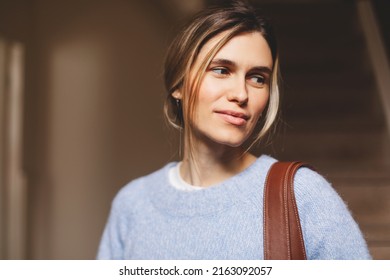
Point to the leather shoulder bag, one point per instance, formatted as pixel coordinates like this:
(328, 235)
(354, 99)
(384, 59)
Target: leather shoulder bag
(283, 238)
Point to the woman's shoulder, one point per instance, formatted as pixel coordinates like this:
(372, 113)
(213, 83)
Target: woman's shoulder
(306, 178)
(329, 230)
(138, 188)
(313, 192)
(311, 187)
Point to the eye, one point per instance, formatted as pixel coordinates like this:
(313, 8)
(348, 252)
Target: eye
(220, 71)
(257, 80)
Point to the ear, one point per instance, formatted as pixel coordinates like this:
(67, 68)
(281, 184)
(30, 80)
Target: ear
(176, 94)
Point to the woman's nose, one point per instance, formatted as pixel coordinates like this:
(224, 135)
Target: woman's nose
(239, 93)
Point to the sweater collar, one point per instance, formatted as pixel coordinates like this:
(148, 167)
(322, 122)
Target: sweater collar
(240, 188)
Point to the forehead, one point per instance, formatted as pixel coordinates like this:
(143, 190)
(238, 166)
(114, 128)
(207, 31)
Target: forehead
(247, 49)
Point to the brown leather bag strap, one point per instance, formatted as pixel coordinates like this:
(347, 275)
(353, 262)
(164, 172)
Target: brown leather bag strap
(283, 238)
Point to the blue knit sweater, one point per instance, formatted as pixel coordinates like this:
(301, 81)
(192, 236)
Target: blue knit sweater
(150, 219)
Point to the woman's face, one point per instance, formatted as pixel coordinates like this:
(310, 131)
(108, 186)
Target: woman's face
(234, 90)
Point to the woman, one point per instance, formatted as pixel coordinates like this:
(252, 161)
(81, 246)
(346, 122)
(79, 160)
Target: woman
(221, 74)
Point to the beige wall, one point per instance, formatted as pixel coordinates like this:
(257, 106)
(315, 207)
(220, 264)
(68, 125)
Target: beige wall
(101, 83)
(93, 107)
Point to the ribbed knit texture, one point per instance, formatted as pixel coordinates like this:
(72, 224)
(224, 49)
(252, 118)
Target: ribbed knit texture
(150, 219)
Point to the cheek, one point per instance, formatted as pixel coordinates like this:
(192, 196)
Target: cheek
(208, 91)
(260, 103)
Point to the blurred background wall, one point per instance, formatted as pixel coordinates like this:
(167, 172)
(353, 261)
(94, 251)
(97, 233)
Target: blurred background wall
(90, 92)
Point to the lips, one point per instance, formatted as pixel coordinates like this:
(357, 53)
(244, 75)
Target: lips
(233, 117)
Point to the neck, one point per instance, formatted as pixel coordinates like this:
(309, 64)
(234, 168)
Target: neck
(210, 165)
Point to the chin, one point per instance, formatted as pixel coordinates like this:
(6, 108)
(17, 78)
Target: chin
(231, 138)
(233, 142)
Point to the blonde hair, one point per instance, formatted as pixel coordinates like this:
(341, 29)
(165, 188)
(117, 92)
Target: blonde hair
(233, 19)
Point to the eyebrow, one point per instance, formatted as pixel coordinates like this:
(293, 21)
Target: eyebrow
(227, 62)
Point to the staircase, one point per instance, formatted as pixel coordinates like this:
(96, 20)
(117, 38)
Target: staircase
(332, 112)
